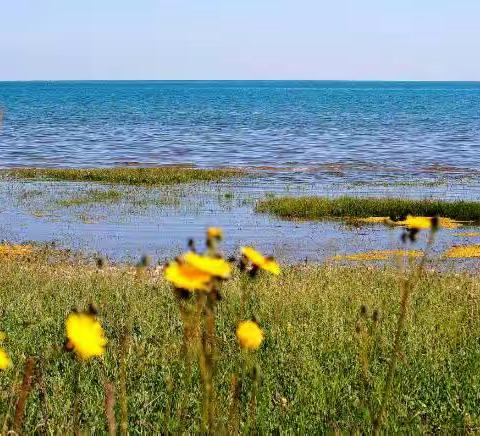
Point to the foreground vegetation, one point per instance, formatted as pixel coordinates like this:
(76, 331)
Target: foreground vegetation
(127, 175)
(322, 367)
(313, 208)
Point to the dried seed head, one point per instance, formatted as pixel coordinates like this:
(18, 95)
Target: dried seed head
(101, 262)
(92, 309)
(182, 294)
(375, 316)
(363, 310)
(145, 261)
(253, 271)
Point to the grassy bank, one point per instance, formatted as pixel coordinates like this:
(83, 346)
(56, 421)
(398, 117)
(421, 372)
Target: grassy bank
(314, 208)
(311, 375)
(127, 175)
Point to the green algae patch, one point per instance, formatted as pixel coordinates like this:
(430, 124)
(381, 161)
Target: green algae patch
(92, 196)
(127, 175)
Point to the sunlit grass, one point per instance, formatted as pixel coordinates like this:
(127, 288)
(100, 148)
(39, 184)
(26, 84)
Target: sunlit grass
(310, 380)
(127, 175)
(313, 208)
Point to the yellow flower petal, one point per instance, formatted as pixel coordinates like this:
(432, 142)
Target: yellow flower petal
(85, 335)
(249, 335)
(184, 276)
(416, 222)
(215, 267)
(258, 259)
(271, 266)
(5, 361)
(215, 232)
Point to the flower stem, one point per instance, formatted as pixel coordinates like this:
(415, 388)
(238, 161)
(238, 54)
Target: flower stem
(25, 389)
(407, 287)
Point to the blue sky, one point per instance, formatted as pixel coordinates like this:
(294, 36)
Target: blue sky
(240, 39)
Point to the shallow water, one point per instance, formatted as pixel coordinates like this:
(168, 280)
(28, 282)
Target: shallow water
(158, 221)
(330, 138)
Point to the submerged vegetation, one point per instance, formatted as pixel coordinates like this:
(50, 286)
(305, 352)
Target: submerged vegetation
(313, 208)
(215, 345)
(92, 196)
(149, 176)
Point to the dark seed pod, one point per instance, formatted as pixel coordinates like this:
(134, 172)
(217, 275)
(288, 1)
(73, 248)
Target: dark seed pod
(67, 345)
(375, 316)
(363, 310)
(182, 294)
(253, 272)
(144, 262)
(92, 310)
(101, 262)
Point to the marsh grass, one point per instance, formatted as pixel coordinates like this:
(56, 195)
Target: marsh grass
(315, 208)
(311, 378)
(149, 176)
(92, 196)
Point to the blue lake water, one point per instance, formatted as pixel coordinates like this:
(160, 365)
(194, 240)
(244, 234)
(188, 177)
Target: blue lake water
(419, 140)
(289, 124)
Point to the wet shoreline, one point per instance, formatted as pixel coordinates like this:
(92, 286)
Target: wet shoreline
(158, 220)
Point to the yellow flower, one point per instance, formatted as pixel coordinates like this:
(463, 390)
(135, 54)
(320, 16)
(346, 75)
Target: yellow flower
(184, 276)
(85, 335)
(215, 267)
(5, 361)
(215, 233)
(416, 222)
(259, 260)
(249, 335)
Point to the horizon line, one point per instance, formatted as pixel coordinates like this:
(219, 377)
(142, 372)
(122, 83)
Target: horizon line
(243, 80)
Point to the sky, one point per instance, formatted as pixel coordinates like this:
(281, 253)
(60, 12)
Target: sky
(239, 39)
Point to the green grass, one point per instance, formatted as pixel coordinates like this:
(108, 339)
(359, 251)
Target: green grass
(314, 208)
(92, 196)
(311, 379)
(127, 175)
